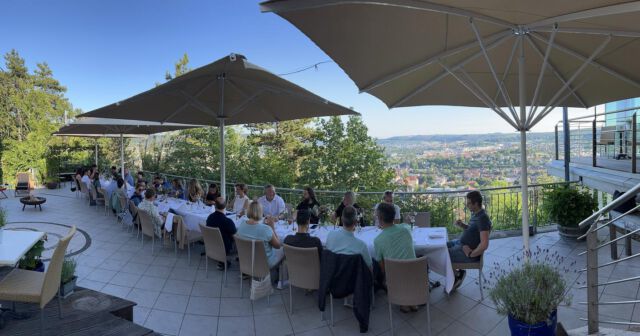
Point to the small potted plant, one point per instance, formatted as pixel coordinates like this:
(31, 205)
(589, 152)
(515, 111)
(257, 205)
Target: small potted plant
(567, 207)
(51, 182)
(68, 277)
(31, 260)
(530, 293)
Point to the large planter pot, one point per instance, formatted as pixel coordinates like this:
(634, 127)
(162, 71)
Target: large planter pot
(52, 185)
(571, 232)
(546, 328)
(66, 289)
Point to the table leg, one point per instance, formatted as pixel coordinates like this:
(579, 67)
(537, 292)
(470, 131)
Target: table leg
(23, 206)
(40, 205)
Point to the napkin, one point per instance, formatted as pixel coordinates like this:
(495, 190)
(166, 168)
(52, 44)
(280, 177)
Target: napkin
(168, 223)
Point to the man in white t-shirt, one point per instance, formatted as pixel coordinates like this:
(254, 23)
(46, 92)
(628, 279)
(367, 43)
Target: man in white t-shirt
(272, 204)
(388, 198)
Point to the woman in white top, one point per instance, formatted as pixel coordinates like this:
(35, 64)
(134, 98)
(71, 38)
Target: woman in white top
(241, 201)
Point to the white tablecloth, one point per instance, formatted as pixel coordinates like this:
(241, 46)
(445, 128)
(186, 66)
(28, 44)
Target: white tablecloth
(431, 242)
(110, 185)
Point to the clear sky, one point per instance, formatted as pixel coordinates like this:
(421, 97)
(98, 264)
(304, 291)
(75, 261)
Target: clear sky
(104, 51)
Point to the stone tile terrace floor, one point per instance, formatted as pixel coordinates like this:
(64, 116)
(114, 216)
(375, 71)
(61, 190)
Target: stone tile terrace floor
(176, 298)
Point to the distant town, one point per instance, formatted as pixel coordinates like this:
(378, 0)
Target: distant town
(446, 162)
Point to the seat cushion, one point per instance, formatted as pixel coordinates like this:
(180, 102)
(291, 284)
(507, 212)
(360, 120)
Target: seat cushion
(22, 286)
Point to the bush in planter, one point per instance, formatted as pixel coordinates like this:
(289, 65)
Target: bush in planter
(68, 277)
(568, 206)
(52, 182)
(529, 291)
(31, 260)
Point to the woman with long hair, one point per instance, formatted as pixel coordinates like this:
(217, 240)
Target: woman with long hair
(195, 192)
(309, 202)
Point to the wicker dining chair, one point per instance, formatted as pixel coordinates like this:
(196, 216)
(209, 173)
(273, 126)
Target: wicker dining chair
(303, 265)
(407, 285)
(260, 266)
(37, 287)
(214, 248)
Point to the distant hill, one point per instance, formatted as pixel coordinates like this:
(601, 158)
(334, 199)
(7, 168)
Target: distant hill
(489, 137)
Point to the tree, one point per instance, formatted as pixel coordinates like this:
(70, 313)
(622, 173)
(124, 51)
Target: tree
(32, 106)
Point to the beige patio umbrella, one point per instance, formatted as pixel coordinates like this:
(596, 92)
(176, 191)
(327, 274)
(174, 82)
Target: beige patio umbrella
(229, 91)
(116, 128)
(519, 58)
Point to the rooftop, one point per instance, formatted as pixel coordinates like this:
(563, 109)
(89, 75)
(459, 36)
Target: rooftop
(175, 297)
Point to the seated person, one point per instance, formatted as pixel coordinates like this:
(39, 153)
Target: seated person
(194, 192)
(475, 238)
(310, 203)
(343, 241)
(137, 196)
(272, 204)
(117, 194)
(349, 199)
(178, 190)
(219, 220)
(253, 228)
(127, 177)
(241, 200)
(388, 198)
(141, 178)
(148, 206)
(302, 237)
(114, 172)
(86, 179)
(212, 194)
(394, 242)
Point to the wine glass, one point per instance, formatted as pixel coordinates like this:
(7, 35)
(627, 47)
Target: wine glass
(412, 218)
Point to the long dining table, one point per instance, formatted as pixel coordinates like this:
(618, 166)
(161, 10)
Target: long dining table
(430, 242)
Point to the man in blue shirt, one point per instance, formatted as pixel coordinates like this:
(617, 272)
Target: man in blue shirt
(342, 241)
(475, 237)
(137, 196)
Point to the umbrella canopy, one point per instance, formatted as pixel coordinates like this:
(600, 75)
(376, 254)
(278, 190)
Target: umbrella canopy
(229, 91)
(116, 128)
(501, 54)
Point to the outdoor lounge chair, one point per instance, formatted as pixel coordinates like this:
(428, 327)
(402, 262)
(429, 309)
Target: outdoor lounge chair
(37, 287)
(24, 184)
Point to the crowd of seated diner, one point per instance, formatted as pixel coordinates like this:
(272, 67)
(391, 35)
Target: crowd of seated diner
(256, 220)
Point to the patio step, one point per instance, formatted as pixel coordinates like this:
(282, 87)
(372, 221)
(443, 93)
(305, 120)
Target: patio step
(603, 332)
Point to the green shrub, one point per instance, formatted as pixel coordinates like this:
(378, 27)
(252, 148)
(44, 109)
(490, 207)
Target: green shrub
(568, 206)
(68, 270)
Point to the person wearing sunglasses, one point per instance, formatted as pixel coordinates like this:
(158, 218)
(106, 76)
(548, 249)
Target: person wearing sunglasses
(138, 194)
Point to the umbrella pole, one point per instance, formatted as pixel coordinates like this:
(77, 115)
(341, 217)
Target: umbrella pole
(523, 150)
(122, 160)
(96, 153)
(223, 189)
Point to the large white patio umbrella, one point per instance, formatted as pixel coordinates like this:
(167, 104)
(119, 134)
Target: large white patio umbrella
(506, 55)
(229, 91)
(117, 128)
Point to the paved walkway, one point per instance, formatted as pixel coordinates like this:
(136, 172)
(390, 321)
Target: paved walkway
(178, 298)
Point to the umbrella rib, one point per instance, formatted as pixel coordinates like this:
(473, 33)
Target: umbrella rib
(503, 91)
(596, 64)
(590, 31)
(556, 72)
(198, 104)
(583, 66)
(543, 68)
(506, 70)
(444, 73)
(434, 59)
(187, 104)
(550, 108)
(478, 95)
(244, 104)
(291, 6)
(493, 105)
(589, 13)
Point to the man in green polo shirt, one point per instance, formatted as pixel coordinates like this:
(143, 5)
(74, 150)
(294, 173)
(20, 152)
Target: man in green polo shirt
(394, 242)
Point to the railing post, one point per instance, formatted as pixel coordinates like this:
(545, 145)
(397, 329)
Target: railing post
(633, 144)
(557, 145)
(592, 280)
(593, 142)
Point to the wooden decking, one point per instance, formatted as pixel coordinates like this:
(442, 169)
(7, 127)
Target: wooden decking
(623, 165)
(85, 312)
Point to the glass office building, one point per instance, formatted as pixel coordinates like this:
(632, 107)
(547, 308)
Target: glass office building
(617, 119)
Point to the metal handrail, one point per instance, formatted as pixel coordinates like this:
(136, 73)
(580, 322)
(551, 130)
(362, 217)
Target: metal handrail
(631, 193)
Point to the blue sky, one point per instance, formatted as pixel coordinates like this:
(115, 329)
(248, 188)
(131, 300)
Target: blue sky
(104, 51)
